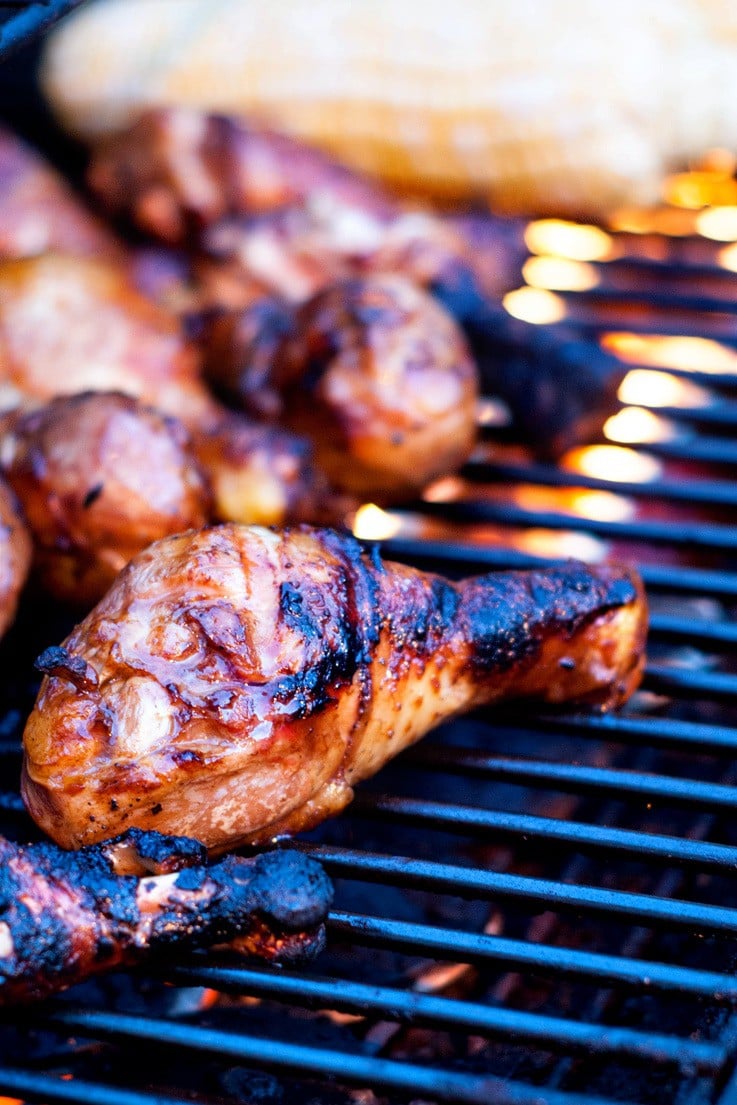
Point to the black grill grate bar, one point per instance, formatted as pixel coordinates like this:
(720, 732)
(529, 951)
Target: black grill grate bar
(684, 683)
(471, 821)
(705, 796)
(76, 1091)
(548, 894)
(687, 446)
(596, 324)
(683, 736)
(719, 413)
(316, 1061)
(682, 631)
(542, 959)
(454, 556)
(697, 535)
(704, 492)
(396, 1005)
(671, 300)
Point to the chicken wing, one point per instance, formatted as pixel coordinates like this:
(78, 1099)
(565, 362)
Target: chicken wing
(236, 683)
(100, 476)
(65, 916)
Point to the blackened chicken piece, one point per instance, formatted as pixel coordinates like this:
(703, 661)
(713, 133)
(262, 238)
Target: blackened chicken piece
(40, 213)
(379, 378)
(177, 170)
(15, 555)
(65, 916)
(100, 476)
(236, 683)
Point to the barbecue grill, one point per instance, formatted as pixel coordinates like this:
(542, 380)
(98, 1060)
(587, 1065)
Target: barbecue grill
(535, 910)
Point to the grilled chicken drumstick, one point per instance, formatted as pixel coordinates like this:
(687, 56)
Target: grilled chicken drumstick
(65, 916)
(70, 325)
(100, 476)
(236, 683)
(373, 371)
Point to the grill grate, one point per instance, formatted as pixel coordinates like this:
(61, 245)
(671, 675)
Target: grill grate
(534, 910)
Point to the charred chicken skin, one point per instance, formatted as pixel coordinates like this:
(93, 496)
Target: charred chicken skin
(236, 683)
(374, 372)
(100, 476)
(65, 916)
(15, 555)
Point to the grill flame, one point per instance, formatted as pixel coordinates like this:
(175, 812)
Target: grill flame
(534, 305)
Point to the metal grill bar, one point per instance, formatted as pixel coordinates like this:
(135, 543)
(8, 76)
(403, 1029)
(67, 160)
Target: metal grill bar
(465, 882)
(619, 782)
(393, 1004)
(540, 959)
(698, 535)
(45, 1088)
(315, 1061)
(686, 736)
(706, 492)
(581, 836)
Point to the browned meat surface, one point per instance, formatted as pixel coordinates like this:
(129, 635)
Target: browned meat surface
(40, 213)
(69, 324)
(100, 476)
(264, 475)
(374, 373)
(179, 169)
(236, 683)
(15, 555)
(65, 916)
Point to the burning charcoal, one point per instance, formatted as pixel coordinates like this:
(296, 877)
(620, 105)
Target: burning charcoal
(67, 915)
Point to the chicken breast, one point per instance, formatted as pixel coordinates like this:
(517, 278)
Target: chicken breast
(236, 683)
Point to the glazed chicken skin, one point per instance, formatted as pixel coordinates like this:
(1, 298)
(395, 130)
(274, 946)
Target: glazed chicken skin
(374, 373)
(66, 916)
(237, 682)
(15, 555)
(100, 476)
(40, 213)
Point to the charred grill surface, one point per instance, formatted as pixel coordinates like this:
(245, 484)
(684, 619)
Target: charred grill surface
(65, 916)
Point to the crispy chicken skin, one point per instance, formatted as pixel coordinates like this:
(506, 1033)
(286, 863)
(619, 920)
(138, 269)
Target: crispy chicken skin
(40, 213)
(236, 683)
(100, 476)
(65, 916)
(15, 555)
(177, 170)
(379, 378)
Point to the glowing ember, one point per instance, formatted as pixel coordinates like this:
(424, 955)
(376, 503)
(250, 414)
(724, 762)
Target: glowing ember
(545, 542)
(673, 222)
(11, 1101)
(493, 412)
(559, 274)
(448, 488)
(701, 188)
(718, 223)
(534, 305)
(371, 523)
(636, 425)
(690, 354)
(575, 241)
(642, 387)
(613, 462)
(727, 257)
(602, 506)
